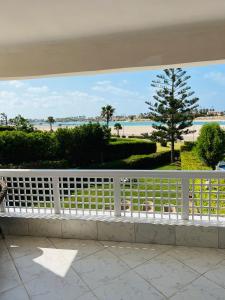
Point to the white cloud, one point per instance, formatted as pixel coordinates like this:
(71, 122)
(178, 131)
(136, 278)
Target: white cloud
(218, 77)
(16, 83)
(107, 86)
(40, 101)
(37, 89)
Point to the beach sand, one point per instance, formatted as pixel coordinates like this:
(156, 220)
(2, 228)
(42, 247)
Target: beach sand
(138, 130)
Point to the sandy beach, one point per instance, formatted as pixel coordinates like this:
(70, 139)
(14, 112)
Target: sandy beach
(139, 130)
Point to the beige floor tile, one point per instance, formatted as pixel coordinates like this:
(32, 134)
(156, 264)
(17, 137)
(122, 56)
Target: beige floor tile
(83, 247)
(200, 289)
(135, 254)
(53, 261)
(17, 293)
(4, 253)
(48, 286)
(99, 268)
(87, 296)
(217, 274)
(25, 245)
(166, 273)
(199, 259)
(128, 286)
(9, 277)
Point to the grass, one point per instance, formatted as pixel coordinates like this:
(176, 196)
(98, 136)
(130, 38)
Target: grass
(145, 191)
(191, 161)
(173, 166)
(176, 146)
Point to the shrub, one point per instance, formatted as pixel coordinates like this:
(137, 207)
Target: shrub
(82, 145)
(140, 162)
(188, 146)
(41, 164)
(138, 137)
(210, 144)
(120, 148)
(18, 146)
(6, 128)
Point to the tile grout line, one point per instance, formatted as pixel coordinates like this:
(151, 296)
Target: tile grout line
(16, 269)
(133, 269)
(90, 290)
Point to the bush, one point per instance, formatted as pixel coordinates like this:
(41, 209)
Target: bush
(163, 143)
(211, 144)
(138, 137)
(41, 164)
(6, 128)
(188, 146)
(82, 145)
(140, 162)
(120, 148)
(18, 146)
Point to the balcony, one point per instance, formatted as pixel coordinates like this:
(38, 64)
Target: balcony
(164, 207)
(113, 234)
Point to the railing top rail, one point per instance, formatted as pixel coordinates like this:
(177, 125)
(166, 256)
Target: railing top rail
(110, 173)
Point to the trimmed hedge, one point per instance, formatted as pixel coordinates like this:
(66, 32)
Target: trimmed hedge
(6, 128)
(41, 164)
(141, 162)
(18, 146)
(188, 146)
(82, 145)
(138, 137)
(120, 148)
(79, 146)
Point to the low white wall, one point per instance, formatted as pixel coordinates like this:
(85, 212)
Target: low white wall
(185, 233)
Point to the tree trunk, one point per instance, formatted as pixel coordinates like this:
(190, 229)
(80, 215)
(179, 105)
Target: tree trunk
(172, 150)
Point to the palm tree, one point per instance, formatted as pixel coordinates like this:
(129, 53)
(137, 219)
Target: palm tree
(51, 120)
(118, 127)
(107, 113)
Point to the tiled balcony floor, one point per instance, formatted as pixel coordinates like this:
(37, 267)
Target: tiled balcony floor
(41, 268)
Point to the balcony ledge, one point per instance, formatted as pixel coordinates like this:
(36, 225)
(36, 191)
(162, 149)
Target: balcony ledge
(122, 229)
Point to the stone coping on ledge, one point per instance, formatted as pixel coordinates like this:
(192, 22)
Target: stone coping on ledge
(121, 229)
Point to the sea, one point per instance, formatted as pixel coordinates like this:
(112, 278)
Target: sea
(123, 123)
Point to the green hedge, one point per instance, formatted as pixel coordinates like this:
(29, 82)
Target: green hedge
(140, 162)
(41, 164)
(123, 148)
(82, 145)
(18, 146)
(79, 146)
(188, 146)
(6, 128)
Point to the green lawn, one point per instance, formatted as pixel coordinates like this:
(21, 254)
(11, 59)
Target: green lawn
(164, 192)
(190, 161)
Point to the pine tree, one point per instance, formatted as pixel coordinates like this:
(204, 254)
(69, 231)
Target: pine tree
(173, 107)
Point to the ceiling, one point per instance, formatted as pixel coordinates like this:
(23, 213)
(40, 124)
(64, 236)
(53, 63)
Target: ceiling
(51, 37)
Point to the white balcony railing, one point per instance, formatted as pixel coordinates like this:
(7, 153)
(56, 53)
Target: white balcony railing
(193, 195)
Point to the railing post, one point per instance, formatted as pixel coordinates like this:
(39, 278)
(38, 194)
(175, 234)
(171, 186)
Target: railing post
(185, 199)
(2, 207)
(117, 200)
(56, 195)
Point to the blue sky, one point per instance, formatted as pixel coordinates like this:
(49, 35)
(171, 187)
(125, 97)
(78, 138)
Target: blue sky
(85, 95)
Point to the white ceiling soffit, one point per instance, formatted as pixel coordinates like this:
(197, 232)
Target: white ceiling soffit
(52, 37)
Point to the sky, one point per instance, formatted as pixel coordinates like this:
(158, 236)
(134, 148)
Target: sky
(86, 94)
